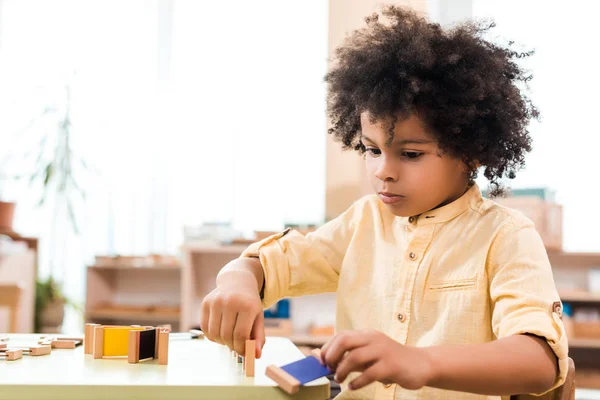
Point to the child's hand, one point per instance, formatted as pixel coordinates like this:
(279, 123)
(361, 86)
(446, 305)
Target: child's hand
(233, 313)
(378, 357)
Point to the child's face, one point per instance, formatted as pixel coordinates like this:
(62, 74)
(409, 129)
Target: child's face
(411, 176)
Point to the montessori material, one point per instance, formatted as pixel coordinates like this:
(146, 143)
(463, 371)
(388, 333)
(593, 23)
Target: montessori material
(291, 376)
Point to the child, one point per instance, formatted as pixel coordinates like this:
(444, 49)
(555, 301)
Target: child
(441, 294)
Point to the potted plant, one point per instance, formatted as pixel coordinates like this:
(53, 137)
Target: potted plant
(53, 175)
(49, 305)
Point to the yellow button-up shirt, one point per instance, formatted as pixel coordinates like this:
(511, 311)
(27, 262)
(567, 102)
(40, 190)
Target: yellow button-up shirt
(468, 272)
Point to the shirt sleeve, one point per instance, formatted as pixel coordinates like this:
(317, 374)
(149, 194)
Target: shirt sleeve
(523, 293)
(298, 265)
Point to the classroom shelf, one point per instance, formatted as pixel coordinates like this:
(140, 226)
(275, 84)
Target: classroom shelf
(128, 294)
(157, 267)
(162, 317)
(579, 297)
(585, 343)
(574, 260)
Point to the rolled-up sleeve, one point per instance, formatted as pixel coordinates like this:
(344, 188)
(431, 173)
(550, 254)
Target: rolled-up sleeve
(298, 265)
(523, 293)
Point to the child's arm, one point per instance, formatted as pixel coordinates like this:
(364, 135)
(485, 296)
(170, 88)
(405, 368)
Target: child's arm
(513, 365)
(518, 364)
(286, 264)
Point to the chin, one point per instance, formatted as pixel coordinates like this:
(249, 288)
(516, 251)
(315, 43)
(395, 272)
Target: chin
(399, 211)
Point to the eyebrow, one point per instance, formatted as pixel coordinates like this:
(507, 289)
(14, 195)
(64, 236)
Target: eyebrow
(402, 142)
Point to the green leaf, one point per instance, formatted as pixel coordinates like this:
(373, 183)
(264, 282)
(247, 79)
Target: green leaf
(72, 217)
(48, 173)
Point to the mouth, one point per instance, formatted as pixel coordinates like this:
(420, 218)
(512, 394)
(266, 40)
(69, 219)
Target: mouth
(390, 198)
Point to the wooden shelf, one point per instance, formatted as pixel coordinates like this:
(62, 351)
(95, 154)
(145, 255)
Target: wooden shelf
(559, 259)
(158, 267)
(134, 313)
(579, 297)
(585, 343)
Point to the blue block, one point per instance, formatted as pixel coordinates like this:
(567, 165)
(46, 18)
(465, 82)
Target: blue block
(306, 370)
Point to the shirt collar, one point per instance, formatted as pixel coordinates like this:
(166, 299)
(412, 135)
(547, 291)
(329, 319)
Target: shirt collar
(470, 199)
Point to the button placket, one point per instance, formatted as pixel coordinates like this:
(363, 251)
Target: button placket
(413, 256)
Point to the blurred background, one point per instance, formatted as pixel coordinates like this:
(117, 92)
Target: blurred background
(145, 143)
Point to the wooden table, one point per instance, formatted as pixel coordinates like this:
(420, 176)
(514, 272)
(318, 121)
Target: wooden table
(197, 369)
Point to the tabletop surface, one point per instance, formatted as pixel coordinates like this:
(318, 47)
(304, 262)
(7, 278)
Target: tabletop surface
(197, 368)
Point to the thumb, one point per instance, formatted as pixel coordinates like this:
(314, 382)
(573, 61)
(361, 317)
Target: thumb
(258, 333)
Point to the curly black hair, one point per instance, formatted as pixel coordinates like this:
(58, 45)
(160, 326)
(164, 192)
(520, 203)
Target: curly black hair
(463, 87)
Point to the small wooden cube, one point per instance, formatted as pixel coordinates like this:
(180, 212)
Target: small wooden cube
(250, 357)
(12, 355)
(163, 347)
(39, 350)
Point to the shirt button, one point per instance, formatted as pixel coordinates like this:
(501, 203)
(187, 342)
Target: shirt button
(412, 255)
(388, 385)
(411, 219)
(401, 317)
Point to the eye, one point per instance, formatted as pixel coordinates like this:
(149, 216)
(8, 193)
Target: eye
(373, 151)
(412, 155)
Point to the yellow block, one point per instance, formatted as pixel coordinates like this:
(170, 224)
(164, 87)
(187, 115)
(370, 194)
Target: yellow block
(116, 341)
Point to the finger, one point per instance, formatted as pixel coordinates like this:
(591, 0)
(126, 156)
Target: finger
(258, 333)
(214, 324)
(325, 348)
(357, 360)
(205, 315)
(226, 331)
(370, 375)
(243, 327)
(342, 344)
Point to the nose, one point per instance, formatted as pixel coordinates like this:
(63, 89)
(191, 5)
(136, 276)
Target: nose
(385, 170)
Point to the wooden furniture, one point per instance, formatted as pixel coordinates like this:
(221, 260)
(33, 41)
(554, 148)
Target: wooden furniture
(128, 294)
(10, 297)
(571, 274)
(197, 369)
(19, 268)
(564, 392)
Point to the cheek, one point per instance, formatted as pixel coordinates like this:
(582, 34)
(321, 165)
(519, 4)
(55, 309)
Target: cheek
(371, 166)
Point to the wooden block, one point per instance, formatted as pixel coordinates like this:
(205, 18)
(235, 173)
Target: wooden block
(290, 376)
(64, 344)
(249, 358)
(12, 355)
(39, 350)
(98, 347)
(163, 347)
(88, 339)
(284, 380)
(2, 345)
(156, 342)
(133, 355)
